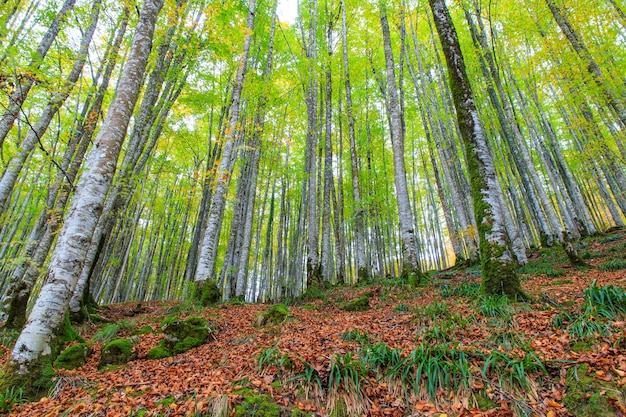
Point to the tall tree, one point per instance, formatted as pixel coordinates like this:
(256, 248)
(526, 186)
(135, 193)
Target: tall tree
(37, 343)
(410, 259)
(208, 249)
(499, 275)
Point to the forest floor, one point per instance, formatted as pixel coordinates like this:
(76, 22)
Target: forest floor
(436, 350)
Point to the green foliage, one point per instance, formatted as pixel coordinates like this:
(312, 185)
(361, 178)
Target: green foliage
(358, 304)
(356, 335)
(117, 352)
(507, 339)
(495, 307)
(9, 398)
(108, 332)
(273, 357)
(73, 357)
(608, 301)
(380, 357)
(431, 368)
(8, 337)
(613, 265)
(609, 238)
(401, 308)
(513, 373)
(437, 334)
(347, 370)
(309, 375)
(314, 292)
(586, 327)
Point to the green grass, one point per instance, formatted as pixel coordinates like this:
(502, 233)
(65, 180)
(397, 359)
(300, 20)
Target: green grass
(499, 307)
(613, 265)
(356, 335)
(9, 398)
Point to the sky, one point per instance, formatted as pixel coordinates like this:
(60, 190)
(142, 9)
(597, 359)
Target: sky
(287, 11)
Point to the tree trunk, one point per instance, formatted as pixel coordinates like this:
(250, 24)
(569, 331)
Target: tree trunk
(36, 343)
(208, 249)
(499, 276)
(410, 259)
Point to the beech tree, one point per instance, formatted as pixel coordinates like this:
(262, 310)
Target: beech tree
(37, 343)
(499, 275)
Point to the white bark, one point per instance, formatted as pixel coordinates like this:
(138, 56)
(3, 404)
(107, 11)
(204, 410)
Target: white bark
(405, 216)
(208, 249)
(70, 251)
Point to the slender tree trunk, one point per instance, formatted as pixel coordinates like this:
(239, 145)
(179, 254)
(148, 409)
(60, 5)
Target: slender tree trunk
(410, 258)
(36, 343)
(208, 249)
(499, 275)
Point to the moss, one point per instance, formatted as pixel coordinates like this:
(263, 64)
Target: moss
(186, 344)
(35, 384)
(358, 304)
(276, 314)
(16, 314)
(207, 293)
(587, 396)
(117, 352)
(73, 357)
(484, 403)
(257, 405)
(67, 334)
(580, 347)
(158, 352)
(180, 336)
(144, 329)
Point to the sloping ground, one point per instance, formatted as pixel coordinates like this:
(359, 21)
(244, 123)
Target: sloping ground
(434, 350)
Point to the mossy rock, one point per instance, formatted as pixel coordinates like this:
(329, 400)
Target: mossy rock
(158, 352)
(257, 405)
(587, 396)
(181, 336)
(358, 304)
(117, 352)
(276, 314)
(73, 357)
(207, 293)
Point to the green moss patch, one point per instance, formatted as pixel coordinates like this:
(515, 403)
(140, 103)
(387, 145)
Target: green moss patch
(587, 396)
(117, 352)
(257, 405)
(276, 314)
(158, 352)
(183, 335)
(207, 293)
(73, 357)
(358, 304)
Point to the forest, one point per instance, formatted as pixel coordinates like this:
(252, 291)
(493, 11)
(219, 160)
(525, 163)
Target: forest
(435, 191)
